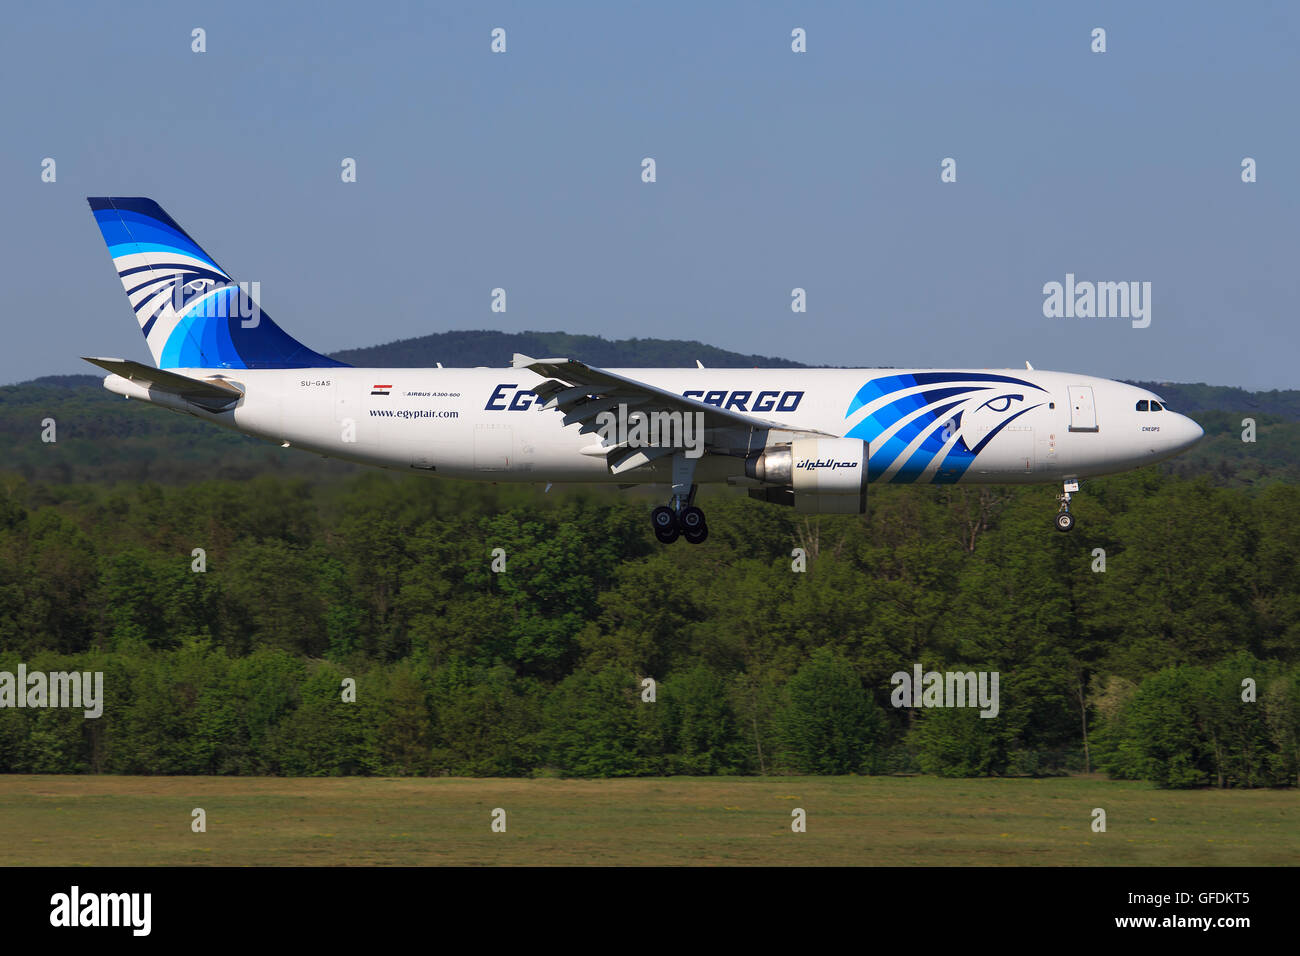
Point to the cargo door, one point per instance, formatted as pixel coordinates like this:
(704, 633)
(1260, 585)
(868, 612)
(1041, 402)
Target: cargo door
(1083, 413)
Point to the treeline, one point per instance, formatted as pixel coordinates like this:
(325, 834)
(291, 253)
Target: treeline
(1160, 640)
(197, 710)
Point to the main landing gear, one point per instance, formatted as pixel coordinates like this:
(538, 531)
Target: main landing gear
(680, 517)
(1065, 520)
(689, 523)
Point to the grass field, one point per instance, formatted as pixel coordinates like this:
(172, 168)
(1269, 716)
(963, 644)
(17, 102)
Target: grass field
(877, 821)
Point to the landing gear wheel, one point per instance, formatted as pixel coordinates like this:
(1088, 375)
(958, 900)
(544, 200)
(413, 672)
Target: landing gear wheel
(672, 522)
(690, 518)
(667, 537)
(664, 519)
(665, 524)
(1065, 520)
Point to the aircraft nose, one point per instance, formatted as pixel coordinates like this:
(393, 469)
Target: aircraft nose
(1188, 432)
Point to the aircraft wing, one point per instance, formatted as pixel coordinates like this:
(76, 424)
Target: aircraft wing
(581, 392)
(210, 393)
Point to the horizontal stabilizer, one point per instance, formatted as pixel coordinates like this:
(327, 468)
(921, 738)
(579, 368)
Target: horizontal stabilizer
(213, 394)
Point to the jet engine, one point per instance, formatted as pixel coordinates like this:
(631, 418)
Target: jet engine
(815, 475)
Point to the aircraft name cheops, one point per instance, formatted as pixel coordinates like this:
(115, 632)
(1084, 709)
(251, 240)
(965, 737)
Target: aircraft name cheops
(510, 397)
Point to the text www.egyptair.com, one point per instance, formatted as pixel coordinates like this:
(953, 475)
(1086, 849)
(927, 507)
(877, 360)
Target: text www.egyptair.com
(411, 413)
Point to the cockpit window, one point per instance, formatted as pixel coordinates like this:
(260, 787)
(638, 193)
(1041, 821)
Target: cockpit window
(1156, 406)
(1142, 405)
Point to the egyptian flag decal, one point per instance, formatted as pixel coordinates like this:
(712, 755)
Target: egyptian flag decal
(381, 389)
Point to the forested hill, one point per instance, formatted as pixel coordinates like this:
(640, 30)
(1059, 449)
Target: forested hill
(471, 349)
(103, 438)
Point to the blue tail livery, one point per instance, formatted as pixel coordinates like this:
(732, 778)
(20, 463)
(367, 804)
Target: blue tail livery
(192, 313)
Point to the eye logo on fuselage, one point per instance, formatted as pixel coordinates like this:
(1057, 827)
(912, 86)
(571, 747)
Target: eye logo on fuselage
(931, 425)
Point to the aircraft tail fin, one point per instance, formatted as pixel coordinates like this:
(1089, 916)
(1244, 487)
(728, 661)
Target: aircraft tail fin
(192, 314)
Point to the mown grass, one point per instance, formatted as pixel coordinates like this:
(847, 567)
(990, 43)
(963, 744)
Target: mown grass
(872, 821)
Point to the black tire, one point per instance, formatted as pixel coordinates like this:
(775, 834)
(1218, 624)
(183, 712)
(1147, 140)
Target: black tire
(668, 536)
(664, 518)
(1065, 521)
(690, 519)
(697, 535)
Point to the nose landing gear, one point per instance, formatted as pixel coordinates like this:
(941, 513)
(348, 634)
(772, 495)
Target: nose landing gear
(1065, 520)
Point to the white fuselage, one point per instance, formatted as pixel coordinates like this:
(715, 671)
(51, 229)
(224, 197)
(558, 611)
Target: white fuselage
(1014, 425)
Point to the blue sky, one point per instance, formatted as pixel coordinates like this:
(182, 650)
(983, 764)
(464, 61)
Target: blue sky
(775, 170)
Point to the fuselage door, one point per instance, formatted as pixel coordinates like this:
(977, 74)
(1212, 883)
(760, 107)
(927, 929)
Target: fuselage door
(1083, 412)
(494, 447)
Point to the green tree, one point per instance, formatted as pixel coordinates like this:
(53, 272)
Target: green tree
(595, 726)
(829, 724)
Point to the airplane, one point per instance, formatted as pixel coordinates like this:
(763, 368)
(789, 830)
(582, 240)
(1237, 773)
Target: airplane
(811, 439)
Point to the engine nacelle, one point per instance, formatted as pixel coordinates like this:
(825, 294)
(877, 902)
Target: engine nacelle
(816, 475)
